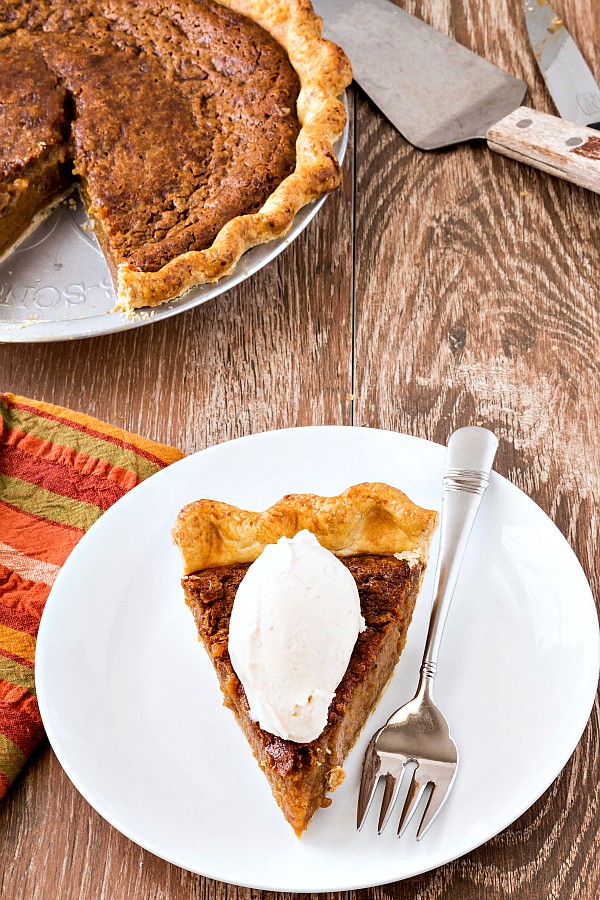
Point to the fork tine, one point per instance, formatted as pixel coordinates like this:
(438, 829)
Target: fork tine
(438, 794)
(368, 782)
(415, 792)
(390, 794)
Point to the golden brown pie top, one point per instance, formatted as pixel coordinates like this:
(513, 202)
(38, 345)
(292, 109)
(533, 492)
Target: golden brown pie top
(181, 119)
(367, 518)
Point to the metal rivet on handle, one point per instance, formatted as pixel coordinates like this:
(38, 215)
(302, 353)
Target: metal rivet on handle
(524, 123)
(574, 142)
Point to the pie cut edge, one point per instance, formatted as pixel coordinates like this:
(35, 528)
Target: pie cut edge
(324, 72)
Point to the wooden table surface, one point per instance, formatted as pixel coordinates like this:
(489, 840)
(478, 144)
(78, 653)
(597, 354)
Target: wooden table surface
(432, 291)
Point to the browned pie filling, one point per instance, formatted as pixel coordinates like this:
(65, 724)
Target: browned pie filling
(33, 156)
(301, 774)
(175, 116)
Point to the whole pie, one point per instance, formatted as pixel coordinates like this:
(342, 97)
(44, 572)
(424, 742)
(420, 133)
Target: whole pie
(195, 129)
(383, 539)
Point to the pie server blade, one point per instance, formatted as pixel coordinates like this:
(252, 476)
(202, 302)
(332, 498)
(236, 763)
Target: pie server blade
(438, 93)
(434, 90)
(572, 86)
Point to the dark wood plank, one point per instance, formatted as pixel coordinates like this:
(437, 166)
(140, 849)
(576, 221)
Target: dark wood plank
(476, 302)
(275, 352)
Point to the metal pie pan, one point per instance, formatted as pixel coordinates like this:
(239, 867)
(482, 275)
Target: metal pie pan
(56, 286)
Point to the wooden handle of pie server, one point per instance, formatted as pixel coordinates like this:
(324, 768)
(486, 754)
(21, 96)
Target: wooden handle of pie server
(569, 151)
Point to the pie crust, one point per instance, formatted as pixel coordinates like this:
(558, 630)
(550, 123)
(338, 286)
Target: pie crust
(366, 518)
(218, 543)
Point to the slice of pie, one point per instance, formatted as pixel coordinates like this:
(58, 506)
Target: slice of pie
(195, 129)
(383, 539)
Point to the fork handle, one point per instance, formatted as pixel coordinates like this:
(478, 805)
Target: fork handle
(469, 460)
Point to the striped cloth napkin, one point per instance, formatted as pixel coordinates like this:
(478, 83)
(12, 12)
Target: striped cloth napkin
(59, 471)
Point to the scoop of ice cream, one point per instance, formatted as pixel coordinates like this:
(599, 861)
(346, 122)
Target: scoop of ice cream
(294, 624)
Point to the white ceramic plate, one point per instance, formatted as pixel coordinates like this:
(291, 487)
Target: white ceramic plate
(133, 711)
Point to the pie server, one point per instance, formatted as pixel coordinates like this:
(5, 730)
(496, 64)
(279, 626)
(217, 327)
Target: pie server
(572, 86)
(438, 93)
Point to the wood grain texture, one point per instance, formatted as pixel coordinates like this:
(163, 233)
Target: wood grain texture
(473, 300)
(476, 302)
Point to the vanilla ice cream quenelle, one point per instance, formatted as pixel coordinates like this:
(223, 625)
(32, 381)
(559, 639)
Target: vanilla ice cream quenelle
(294, 624)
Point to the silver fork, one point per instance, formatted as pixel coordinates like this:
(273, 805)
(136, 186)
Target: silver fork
(417, 735)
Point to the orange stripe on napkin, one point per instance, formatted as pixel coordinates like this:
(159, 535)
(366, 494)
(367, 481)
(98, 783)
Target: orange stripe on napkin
(87, 465)
(20, 722)
(21, 594)
(19, 619)
(27, 566)
(44, 540)
(59, 471)
(157, 453)
(60, 478)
